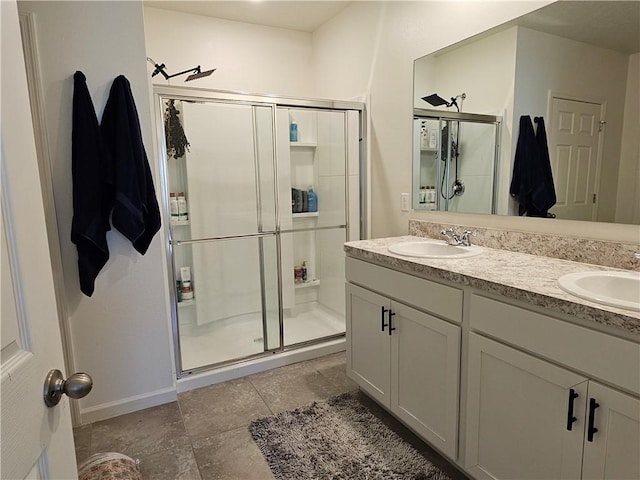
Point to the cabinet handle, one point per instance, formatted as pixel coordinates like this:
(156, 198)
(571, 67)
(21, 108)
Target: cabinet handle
(591, 430)
(570, 418)
(391, 327)
(382, 312)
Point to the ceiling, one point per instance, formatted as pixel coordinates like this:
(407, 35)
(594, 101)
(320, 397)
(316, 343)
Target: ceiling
(608, 24)
(304, 16)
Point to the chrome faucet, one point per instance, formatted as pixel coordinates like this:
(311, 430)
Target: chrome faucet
(456, 239)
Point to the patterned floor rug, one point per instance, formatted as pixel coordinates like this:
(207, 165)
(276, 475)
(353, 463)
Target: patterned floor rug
(339, 439)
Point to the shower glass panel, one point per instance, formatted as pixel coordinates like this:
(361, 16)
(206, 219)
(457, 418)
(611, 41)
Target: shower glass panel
(455, 162)
(230, 308)
(314, 302)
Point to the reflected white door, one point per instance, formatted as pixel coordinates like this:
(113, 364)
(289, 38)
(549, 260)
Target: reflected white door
(574, 136)
(37, 442)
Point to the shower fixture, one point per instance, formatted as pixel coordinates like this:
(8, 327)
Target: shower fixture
(196, 72)
(436, 100)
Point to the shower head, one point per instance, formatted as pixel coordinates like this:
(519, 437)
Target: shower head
(161, 69)
(435, 100)
(198, 74)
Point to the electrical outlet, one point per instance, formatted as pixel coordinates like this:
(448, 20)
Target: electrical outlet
(404, 202)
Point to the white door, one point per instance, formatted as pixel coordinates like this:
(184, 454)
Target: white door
(368, 344)
(613, 452)
(574, 136)
(425, 372)
(37, 441)
(518, 411)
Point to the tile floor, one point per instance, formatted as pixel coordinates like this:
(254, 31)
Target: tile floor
(204, 434)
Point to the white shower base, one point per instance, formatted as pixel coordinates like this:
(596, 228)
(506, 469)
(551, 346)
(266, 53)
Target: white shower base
(240, 337)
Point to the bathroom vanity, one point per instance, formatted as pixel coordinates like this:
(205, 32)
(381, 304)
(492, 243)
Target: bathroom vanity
(495, 366)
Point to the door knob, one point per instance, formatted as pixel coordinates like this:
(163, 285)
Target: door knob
(77, 385)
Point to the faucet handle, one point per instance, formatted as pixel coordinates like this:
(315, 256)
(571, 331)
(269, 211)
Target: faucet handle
(465, 237)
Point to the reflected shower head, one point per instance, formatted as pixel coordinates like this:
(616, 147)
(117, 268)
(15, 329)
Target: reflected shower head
(198, 74)
(435, 100)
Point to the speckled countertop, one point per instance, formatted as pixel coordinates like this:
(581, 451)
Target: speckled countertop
(520, 276)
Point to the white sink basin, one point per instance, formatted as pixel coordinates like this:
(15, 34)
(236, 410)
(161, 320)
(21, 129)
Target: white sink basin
(433, 249)
(617, 289)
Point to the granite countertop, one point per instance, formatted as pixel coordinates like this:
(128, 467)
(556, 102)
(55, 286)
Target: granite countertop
(520, 276)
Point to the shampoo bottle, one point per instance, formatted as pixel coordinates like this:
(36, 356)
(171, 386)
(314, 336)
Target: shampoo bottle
(293, 132)
(312, 200)
(182, 207)
(173, 205)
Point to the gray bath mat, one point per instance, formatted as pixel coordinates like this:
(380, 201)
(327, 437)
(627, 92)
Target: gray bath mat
(337, 439)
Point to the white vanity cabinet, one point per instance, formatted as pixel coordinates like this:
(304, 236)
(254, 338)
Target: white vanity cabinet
(405, 357)
(531, 418)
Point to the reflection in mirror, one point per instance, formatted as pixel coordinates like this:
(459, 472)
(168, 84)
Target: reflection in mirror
(455, 158)
(577, 65)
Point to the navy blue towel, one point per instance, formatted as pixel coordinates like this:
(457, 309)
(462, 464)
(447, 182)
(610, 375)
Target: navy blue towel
(135, 211)
(88, 168)
(532, 180)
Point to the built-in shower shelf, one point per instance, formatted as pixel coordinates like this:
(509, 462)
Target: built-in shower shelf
(304, 144)
(179, 223)
(310, 283)
(186, 303)
(304, 214)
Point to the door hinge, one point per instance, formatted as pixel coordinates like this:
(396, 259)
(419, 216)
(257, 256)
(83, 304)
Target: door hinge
(602, 123)
(594, 197)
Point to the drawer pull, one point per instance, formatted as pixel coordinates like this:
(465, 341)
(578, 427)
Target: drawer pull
(391, 327)
(570, 418)
(591, 430)
(382, 312)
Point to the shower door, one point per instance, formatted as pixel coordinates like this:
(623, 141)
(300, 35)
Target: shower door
(225, 247)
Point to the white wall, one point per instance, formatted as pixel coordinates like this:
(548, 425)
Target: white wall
(584, 71)
(248, 58)
(120, 334)
(389, 36)
(628, 203)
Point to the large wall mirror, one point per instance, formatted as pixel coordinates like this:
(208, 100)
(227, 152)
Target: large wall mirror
(576, 65)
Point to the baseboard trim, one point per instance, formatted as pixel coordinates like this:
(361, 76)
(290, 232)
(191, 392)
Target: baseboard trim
(127, 405)
(258, 365)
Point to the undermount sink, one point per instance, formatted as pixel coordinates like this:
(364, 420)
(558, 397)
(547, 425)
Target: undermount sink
(433, 249)
(616, 289)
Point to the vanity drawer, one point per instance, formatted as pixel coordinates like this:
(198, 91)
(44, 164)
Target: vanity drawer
(596, 354)
(423, 294)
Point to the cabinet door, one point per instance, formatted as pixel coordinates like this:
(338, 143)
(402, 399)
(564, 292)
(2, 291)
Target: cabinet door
(517, 412)
(614, 451)
(425, 368)
(368, 349)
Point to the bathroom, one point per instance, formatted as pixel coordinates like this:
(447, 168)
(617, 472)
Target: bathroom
(125, 326)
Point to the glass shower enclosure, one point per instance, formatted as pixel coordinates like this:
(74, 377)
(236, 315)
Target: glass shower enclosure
(255, 220)
(455, 161)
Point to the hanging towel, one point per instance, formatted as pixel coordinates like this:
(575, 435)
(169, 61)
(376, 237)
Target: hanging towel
(532, 181)
(89, 161)
(543, 196)
(135, 211)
